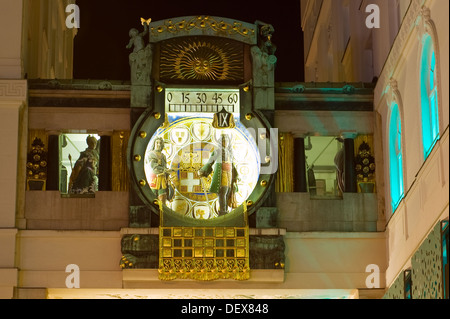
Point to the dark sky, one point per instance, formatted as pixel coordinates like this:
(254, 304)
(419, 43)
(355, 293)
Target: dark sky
(100, 51)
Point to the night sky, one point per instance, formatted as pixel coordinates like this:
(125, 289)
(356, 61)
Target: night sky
(100, 51)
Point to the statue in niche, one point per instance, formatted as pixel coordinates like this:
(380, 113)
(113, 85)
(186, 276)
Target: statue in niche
(160, 175)
(84, 179)
(141, 57)
(224, 179)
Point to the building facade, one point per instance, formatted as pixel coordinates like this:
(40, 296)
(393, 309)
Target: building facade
(405, 52)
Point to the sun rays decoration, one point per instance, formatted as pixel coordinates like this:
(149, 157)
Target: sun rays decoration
(201, 59)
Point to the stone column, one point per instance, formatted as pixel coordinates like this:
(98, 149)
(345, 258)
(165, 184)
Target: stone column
(349, 162)
(53, 162)
(299, 163)
(104, 167)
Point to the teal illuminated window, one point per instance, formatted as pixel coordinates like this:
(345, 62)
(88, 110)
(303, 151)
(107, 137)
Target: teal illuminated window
(408, 284)
(395, 157)
(429, 97)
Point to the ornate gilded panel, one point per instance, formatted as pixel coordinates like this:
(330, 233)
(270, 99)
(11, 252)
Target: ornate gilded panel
(204, 253)
(204, 59)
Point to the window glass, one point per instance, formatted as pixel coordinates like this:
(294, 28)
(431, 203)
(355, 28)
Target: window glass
(324, 165)
(395, 158)
(429, 101)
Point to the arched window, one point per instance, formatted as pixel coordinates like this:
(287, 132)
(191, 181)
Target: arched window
(429, 97)
(395, 157)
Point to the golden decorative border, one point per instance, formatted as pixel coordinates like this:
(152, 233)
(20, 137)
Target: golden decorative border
(203, 23)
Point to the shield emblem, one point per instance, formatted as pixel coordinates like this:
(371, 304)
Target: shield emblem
(201, 131)
(202, 212)
(180, 135)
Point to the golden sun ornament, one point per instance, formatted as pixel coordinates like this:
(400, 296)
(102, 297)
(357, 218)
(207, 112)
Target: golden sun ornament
(199, 59)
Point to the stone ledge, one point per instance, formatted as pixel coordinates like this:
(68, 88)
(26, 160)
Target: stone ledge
(68, 234)
(140, 277)
(31, 293)
(268, 231)
(332, 235)
(203, 292)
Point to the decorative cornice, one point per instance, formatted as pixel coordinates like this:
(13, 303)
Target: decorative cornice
(59, 84)
(324, 96)
(339, 88)
(410, 21)
(13, 90)
(349, 135)
(203, 25)
(392, 92)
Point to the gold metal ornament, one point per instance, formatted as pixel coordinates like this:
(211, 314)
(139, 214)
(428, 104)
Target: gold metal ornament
(200, 59)
(204, 22)
(143, 134)
(147, 21)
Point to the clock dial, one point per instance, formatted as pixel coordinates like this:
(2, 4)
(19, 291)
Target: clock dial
(201, 100)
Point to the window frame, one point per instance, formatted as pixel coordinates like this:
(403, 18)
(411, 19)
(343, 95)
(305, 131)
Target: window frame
(395, 156)
(429, 105)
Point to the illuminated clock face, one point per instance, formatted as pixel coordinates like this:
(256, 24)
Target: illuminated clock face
(189, 141)
(174, 149)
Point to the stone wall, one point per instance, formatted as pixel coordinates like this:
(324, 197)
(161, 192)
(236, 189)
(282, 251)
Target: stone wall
(356, 212)
(49, 210)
